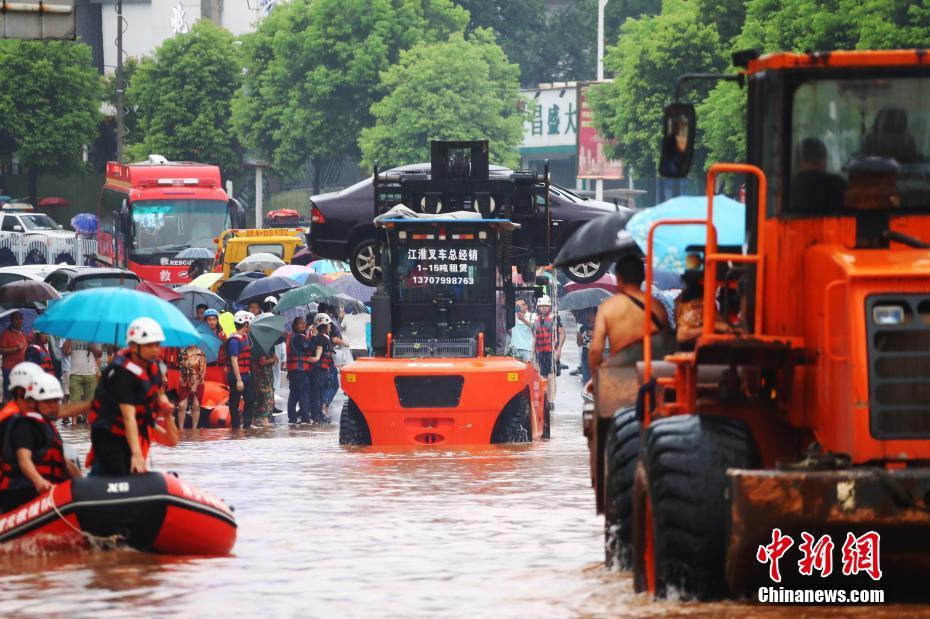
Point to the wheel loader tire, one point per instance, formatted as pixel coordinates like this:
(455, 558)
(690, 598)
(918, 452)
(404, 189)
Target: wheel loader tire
(621, 452)
(513, 424)
(353, 429)
(681, 516)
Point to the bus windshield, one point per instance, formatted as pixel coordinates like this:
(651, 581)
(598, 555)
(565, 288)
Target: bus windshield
(172, 225)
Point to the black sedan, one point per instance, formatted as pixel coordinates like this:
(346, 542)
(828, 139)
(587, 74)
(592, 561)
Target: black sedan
(341, 225)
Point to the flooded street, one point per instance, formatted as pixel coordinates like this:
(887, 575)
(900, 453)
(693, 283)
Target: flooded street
(327, 531)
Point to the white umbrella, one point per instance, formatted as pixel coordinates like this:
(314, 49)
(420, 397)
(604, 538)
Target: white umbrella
(261, 261)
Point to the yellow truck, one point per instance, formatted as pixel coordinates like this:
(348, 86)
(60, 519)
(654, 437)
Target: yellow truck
(236, 244)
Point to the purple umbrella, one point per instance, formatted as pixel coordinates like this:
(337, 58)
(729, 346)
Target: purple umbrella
(353, 288)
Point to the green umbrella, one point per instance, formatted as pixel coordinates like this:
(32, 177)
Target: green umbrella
(266, 330)
(311, 293)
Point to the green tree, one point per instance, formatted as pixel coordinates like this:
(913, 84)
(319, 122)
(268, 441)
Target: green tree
(463, 89)
(51, 107)
(312, 73)
(650, 55)
(800, 25)
(182, 98)
(521, 30)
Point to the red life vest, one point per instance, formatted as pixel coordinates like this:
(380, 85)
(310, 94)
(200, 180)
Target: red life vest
(545, 333)
(45, 359)
(245, 354)
(326, 357)
(298, 362)
(104, 409)
(221, 356)
(49, 459)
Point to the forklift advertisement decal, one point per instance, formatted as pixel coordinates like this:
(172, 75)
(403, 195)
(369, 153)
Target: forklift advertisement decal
(442, 266)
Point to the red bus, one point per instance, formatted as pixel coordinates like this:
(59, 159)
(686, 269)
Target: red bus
(152, 210)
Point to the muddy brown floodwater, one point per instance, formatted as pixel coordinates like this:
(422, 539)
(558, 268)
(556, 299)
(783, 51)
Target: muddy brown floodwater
(326, 531)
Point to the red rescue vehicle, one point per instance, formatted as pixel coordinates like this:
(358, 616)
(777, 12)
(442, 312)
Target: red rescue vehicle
(152, 210)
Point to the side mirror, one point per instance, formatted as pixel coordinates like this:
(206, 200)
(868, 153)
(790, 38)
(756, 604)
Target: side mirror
(677, 140)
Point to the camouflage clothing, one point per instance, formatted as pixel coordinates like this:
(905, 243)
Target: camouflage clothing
(263, 375)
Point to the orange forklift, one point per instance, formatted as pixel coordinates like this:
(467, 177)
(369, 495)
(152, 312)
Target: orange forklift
(440, 374)
(812, 421)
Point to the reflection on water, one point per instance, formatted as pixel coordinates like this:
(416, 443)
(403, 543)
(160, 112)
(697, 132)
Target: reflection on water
(325, 531)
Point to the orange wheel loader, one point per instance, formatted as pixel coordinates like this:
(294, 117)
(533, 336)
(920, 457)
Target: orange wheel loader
(790, 448)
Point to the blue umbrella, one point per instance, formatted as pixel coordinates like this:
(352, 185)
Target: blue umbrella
(324, 267)
(209, 343)
(103, 315)
(85, 223)
(670, 242)
(354, 288)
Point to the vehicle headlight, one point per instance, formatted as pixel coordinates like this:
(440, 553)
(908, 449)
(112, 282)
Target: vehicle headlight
(888, 314)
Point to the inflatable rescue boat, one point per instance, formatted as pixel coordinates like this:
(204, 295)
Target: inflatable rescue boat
(153, 512)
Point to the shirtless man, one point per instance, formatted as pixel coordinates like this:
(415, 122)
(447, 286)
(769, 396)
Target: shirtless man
(620, 318)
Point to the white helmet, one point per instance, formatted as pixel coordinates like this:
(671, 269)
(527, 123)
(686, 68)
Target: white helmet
(144, 331)
(544, 300)
(271, 299)
(322, 319)
(44, 387)
(243, 317)
(23, 374)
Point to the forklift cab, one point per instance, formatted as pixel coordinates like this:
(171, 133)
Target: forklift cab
(446, 295)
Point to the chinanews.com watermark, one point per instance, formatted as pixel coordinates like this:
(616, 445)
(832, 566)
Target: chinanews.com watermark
(859, 555)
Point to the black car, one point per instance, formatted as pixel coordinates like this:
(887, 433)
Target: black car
(74, 278)
(341, 225)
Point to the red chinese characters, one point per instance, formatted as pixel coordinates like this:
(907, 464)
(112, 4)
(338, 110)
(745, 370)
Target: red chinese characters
(773, 552)
(860, 554)
(817, 555)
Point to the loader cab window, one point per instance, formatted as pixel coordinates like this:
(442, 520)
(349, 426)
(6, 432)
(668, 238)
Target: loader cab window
(851, 136)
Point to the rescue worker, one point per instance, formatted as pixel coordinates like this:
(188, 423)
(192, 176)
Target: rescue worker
(127, 402)
(321, 375)
(549, 337)
(38, 352)
(239, 370)
(212, 318)
(21, 376)
(298, 372)
(33, 455)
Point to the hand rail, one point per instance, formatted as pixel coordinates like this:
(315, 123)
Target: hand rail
(711, 257)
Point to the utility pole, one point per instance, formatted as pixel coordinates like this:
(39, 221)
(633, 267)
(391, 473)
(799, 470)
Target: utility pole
(599, 183)
(120, 85)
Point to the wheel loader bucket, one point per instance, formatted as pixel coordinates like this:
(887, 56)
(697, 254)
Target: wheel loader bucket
(891, 503)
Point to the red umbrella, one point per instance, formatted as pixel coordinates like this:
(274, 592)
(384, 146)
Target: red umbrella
(607, 281)
(284, 213)
(162, 292)
(53, 202)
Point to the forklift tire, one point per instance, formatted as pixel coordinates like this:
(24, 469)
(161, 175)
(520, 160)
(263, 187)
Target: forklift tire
(681, 484)
(620, 455)
(353, 429)
(547, 419)
(513, 424)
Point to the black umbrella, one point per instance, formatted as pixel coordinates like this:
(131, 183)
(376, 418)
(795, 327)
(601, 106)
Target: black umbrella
(582, 299)
(261, 288)
(233, 287)
(599, 239)
(26, 293)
